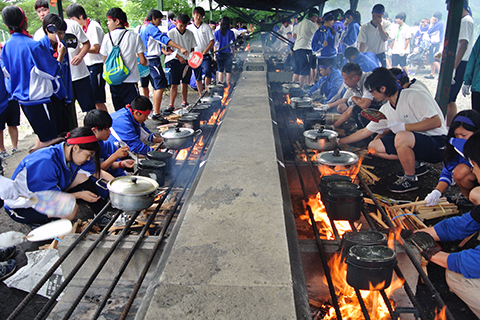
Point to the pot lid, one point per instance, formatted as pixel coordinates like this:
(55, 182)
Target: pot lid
(132, 185)
(201, 106)
(177, 133)
(334, 158)
(301, 99)
(343, 185)
(375, 253)
(214, 86)
(211, 99)
(159, 155)
(365, 237)
(334, 177)
(188, 117)
(320, 134)
(151, 164)
(290, 85)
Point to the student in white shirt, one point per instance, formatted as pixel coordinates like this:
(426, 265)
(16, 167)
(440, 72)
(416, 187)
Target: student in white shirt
(401, 42)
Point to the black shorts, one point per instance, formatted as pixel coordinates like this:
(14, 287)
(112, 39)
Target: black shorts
(382, 58)
(427, 148)
(431, 52)
(123, 94)
(157, 75)
(302, 61)
(145, 81)
(42, 119)
(11, 115)
(205, 68)
(176, 72)
(455, 88)
(82, 90)
(399, 60)
(98, 83)
(224, 62)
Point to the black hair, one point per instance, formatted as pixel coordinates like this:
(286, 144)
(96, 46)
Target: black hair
(199, 10)
(338, 14)
(437, 14)
(141, 103)
(76, 10)
(382, 77)
(97, 118)
(329, 16)
(352, 69)
(402, 16)
(351, 51)
(379, 7)
(449, 153)
(212, 22)
(313, 12)
(287, 21)
(472, 147)
(183, 18)
(92, 146)
(224, 25)
(403, 79)
(117, 14)
(355, 15)
(170, 15)
(54, 19)
(41, 4)
(13, 17)
(154, 14)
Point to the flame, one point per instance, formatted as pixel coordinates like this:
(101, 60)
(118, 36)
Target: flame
(299, 121)
(225, 95)
(217, 114)
(247, 47)
(442, 315)
(288, 99)
(321, 218)
(277, 70)
(340, 170)
(182, 154)
(347, 299)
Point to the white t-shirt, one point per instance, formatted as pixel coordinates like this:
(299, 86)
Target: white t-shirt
(370, 35)
(95, 35)
(466, 33)
(403, 33)
(203, 35)
(414, 105)
(186, 40)
(305, 31)
(359, 90)
(129, 47)
(74, 37)
(284, 30)
(39, 34)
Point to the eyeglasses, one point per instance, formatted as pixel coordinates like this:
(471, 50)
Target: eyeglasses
(51, 28)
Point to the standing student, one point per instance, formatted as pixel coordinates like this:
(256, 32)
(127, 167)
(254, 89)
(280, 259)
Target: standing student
(154, 39)
(205, 40)
(42, 9)
(401, 42)
(9, 115)
(224, 37)
(31, 89)
(131, 45)
(352, 28)
(323, 42)
(472, 76)
(178, 60)
(93, 59)
(435, 33)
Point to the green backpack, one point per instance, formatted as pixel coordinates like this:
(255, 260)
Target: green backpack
(114, 69)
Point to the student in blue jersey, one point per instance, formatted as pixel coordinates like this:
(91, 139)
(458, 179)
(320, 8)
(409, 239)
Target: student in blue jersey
(223, 38)
(435, 33)
(56, 168)
(330, 82)
(368, 61)
(352, 27)
(131, 46)
(128, 126)
(323, 42)
(36, 81)
(154, 39)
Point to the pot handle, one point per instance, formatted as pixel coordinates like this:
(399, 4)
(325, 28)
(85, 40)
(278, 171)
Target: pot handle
(159, 191)
(198, 132)
(102, 183)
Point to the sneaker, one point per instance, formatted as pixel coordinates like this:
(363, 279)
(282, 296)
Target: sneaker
(419, 171)
(7, 268)
(429, 77)
(403, 185)
(14, 150)
(168, 111)
(158, 117)
(104, 219)
(460, 200)
(7, 253)
(184, 105)
(4, 154)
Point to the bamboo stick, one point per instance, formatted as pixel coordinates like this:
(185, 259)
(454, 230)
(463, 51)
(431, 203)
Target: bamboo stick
(423, 202)
(464, 241)
(380, 221)
(436, 214)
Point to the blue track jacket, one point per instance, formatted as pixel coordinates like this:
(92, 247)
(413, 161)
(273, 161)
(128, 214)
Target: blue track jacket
(153, 38)
(328, 85)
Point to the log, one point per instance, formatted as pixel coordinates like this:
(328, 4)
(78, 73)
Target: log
(464, 241)
(418, 203)
(380, 221)
(436, 214)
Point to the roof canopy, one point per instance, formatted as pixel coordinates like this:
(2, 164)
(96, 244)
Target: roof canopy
(291, 5)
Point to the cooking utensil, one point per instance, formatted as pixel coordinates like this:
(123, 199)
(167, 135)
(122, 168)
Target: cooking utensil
(344, 204)
(216, 88)
(178, 138)
(363, 238)
(132, 193)
(325, 180)
(122, 144)
(162, 156)
(373, 115)
(190, 121)
(321, 139)
(338, 162)
(214, 101)
(54, 229)
(153, 169)
(301, 102)
(195, 59)
(370, 266)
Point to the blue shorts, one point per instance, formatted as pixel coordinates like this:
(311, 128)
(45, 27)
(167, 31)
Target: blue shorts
(382, 58)
(224, 62)
(176, 71)
(43, 125)
(82, 90)
(98, 83)
(61, 115)
(455, 88)
(427, 148)
(145, 81)
(11, 115)
(302, 61)
(206, 67)
(431, 52)
(123, 94)
(157, 76)
(399, 60)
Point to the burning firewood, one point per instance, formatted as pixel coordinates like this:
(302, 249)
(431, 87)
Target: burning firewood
(368, 176)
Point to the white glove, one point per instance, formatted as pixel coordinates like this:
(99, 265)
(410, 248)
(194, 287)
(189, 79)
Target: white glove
(11, 238)
(432, 198)
(396, 126)
(322, 107)
(466, 90)
(453, 77)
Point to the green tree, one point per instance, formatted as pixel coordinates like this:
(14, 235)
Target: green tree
(96, 10)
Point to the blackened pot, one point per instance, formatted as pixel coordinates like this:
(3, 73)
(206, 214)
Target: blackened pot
(363, 238)
(325, 180)
(190, 121)
(153, 169)
(370, 267)
(204, 111)
(162, 156)
(344, 204)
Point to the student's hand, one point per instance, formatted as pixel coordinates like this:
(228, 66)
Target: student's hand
(61, 50)
(432, 198)
(182, 61)
(76, 60)
(121, 152)
(129, 163)
(87, 196)
(425, 243)
(466, 90)
(325, 43)
(184, 51)
(377, 21)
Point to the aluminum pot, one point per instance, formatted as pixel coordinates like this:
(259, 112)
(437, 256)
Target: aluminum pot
(344, 204)
(190, 121)
(216, 88)
(286, 87)
(214, 101)
(338, 162)
(153, 169)
(178, 138)
(301, 102)
(321, 139)
(132, 193)
(370, 267)
(162, 156)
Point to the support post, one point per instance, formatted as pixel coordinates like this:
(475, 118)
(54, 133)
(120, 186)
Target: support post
(353, 4)
(160, 5)
(56, 7)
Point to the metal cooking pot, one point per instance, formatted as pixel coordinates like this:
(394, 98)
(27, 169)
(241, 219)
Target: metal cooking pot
(214, 101)
(153, 169)
(161, 156)
(344, 204)
(178, 138)
(215, 88)
(325, 180)
(338, 162)
(301, 102)
(287, 86)
(321, 139)
(363, 238)
(370, 267)
(132, 193)
(204, 111)
(190, 121)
